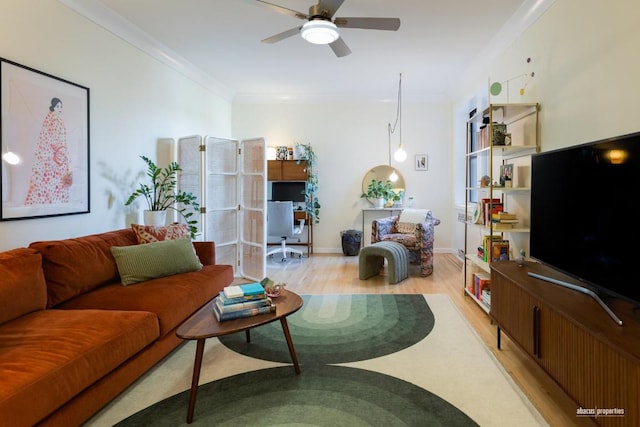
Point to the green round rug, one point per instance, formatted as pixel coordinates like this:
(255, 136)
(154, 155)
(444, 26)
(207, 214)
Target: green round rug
(340, 329)
(331, 396)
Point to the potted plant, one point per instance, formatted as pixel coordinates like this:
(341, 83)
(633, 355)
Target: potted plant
(380, 193)
(312, 204)
(163, 195)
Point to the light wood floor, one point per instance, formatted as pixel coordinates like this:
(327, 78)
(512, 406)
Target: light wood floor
(338, 274)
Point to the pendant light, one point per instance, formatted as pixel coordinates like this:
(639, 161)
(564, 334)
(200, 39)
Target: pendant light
(400, 155)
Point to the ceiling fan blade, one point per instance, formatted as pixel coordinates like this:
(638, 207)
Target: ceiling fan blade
(284, 10)
(329, 7)
(283, 35)
(390, 24)
(340, 48)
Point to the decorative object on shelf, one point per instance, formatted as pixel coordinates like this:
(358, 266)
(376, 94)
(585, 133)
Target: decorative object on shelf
(422, 162)
(163, 195)
(499, 131)
(380, 193)
(311, 202)
(506, 175)
(400, 155)
(485, 181)
(282, 152)
(507, 139)
(520, 258)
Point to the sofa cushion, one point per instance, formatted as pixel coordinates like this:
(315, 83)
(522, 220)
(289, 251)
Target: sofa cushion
(49, 356)
(22, 286)
(171, 298)
(150, 233)
(139, 263)
(65, 265)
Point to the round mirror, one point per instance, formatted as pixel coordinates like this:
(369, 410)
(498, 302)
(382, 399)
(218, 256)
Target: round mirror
(384, 173)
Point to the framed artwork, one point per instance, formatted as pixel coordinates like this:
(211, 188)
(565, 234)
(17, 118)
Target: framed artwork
(421, 162)
(506, 175)
(44, 140)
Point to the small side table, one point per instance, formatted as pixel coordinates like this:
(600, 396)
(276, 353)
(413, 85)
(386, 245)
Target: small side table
(203, 324)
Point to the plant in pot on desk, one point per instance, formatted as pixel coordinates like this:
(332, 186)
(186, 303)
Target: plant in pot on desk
(379, 194)
(163, 195)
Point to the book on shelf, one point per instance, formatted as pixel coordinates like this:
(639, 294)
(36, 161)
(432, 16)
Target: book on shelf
(479, 282)
(500, 251)
(486, 247)
(491, 207)
(244, 290)
(228, 308)
(486, 296)
(502, 226)
(248, 312)
(501, 216)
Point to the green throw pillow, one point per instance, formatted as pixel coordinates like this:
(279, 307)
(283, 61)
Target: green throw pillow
(138, 263)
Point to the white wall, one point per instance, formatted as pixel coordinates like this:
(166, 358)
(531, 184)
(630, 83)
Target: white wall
(584, 56)
(349, 139)
(134, 100)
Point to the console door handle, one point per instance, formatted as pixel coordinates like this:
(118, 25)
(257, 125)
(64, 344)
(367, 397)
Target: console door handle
(536, 331)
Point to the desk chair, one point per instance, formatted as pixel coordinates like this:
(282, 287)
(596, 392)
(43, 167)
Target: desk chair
(280, 223)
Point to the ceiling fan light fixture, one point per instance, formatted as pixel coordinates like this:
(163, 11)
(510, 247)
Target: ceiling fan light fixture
(319, 32)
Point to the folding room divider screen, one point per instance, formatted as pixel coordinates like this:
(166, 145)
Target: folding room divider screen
(230, 178)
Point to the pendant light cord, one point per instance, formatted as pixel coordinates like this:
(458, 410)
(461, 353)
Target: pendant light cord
(398, 119)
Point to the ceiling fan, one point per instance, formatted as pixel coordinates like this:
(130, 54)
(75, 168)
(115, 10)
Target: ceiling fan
(322, 28)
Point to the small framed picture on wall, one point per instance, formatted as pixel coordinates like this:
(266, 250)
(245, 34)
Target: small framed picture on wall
(421, 162)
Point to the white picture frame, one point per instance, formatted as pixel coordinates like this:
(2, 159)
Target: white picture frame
(421, 162)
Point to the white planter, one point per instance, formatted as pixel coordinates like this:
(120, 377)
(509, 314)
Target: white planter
(378, 203)
(155, 218)
(299, 152)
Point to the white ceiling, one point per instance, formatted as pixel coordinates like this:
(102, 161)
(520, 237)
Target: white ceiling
(218, 42)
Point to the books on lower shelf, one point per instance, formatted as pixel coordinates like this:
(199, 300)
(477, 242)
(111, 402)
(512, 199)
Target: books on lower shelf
(480, 286)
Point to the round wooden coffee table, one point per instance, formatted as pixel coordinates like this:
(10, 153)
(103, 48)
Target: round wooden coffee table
(203, 324)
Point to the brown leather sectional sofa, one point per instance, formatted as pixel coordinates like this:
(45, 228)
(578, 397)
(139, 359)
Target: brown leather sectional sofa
(72, 337)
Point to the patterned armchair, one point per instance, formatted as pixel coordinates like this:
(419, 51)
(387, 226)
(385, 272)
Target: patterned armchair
(414, 228)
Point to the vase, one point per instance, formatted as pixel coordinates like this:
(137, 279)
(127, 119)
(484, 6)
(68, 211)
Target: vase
(155, 218)
(378, 202)
(299, 152)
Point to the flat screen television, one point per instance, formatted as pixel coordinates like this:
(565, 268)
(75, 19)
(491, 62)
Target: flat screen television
(284, 191)
(582, 214)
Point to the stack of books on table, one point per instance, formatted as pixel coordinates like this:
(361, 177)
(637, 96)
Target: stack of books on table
(244, 300)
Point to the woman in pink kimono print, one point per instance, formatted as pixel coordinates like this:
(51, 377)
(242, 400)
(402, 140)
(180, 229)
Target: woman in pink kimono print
(51, 173)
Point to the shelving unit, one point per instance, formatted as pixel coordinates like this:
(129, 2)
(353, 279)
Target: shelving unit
(498, 136)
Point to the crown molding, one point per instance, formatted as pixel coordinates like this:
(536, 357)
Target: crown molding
(527, 14)
(104, 17)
